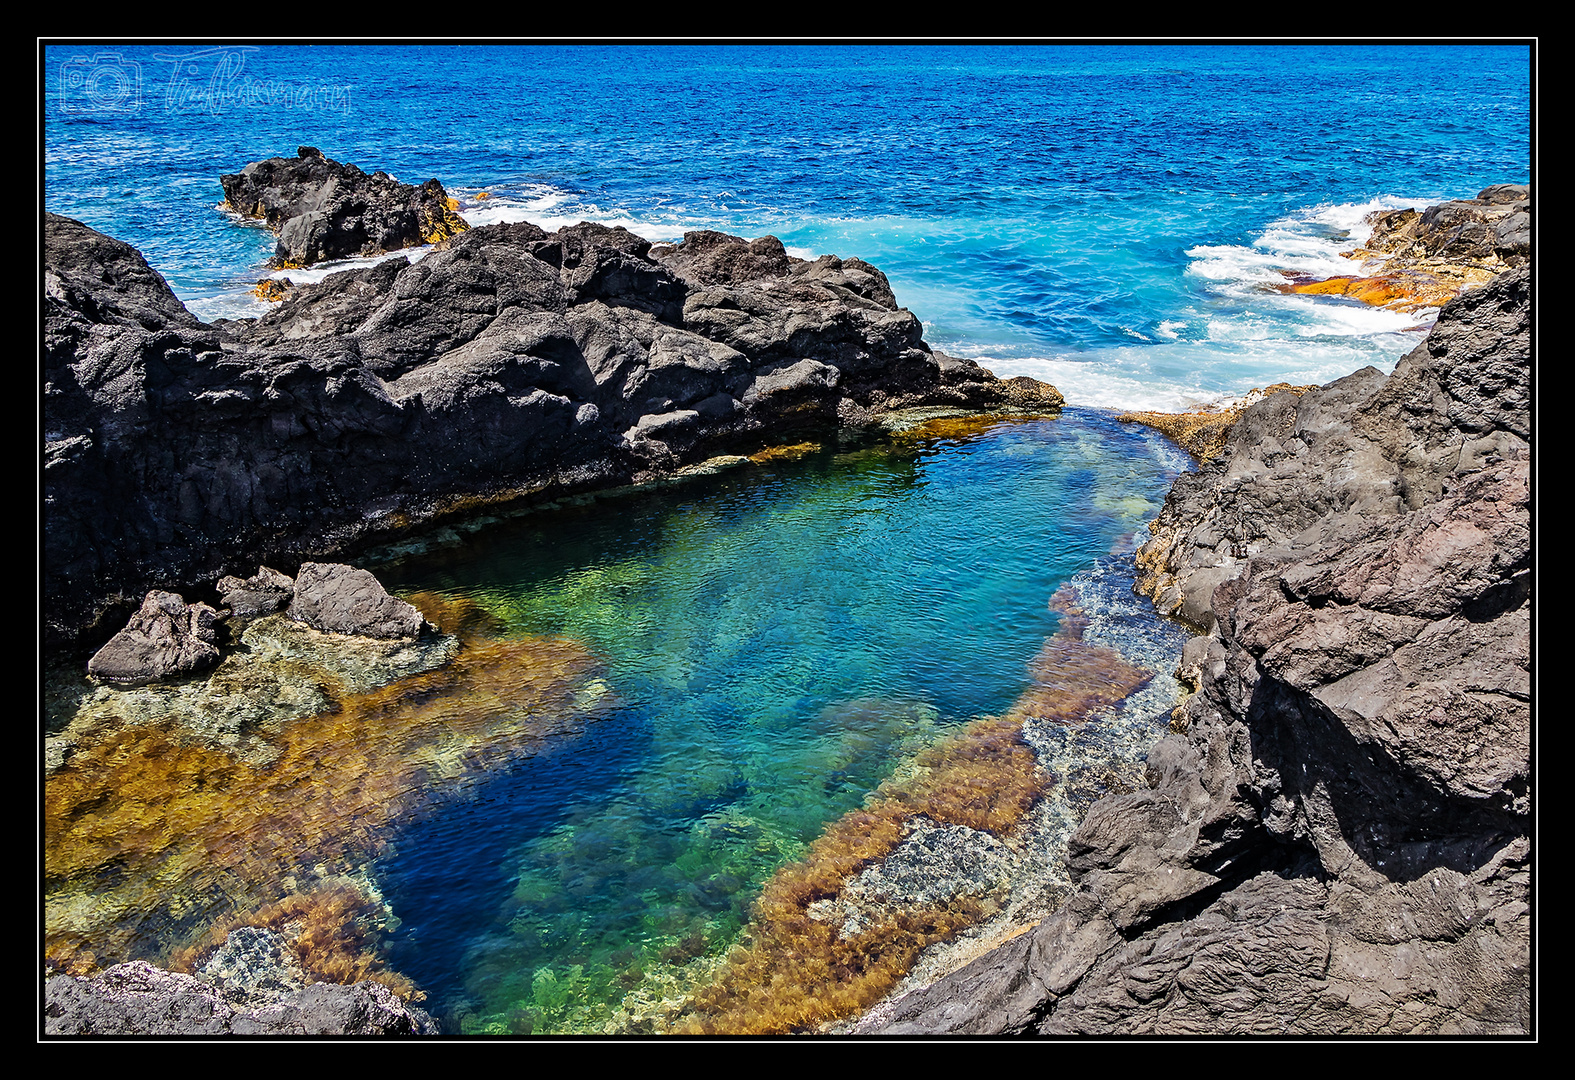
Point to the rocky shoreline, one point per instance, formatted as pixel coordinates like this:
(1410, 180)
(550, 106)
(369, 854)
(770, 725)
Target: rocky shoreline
(1336, 838)
(507, 365)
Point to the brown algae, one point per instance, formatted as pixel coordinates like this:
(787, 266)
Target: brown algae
(795, 972)
(152, 832)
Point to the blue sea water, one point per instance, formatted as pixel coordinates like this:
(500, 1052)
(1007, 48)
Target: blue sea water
(1105, 217)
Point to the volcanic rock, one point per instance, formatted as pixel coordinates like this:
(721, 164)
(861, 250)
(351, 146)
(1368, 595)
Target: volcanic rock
(1337, 838)
(341, 599)
(320, 209)
(166, 638)
(509, 363)
(264, 593)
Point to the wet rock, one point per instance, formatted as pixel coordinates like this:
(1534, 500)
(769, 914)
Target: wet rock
(166, 638)
(137, 998)
(341, 599)
(1421, 260)
(321, 209)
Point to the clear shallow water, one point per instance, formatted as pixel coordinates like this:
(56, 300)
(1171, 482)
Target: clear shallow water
(779, 637)
(1102, 216)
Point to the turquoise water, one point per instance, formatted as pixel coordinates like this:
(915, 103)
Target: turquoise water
(778, 638)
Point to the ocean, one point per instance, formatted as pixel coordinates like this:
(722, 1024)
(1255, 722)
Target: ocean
(775, 643)
(1105, 217)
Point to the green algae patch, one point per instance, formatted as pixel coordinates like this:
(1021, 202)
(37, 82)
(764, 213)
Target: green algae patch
(154, 830)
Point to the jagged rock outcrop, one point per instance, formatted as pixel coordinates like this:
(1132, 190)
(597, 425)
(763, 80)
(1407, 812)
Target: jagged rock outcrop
(1496, 225)
(166, 638)
(1336, 837)
(1423, 259)
(510, 361)
(320, 209)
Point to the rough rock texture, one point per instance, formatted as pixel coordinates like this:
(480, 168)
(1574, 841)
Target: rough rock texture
(264, 593)
(1494, 225)
(137, 998)
(321, 209)
(511, 361)
(341, 599)
(1336, 839)
(166, 638)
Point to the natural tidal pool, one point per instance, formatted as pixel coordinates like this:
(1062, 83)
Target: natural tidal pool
(664, 697)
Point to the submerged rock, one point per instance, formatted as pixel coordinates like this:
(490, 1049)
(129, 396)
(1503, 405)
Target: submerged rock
(137, 998)
(166, 638)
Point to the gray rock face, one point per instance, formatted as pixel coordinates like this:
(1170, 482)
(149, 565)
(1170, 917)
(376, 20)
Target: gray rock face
(1338, 839)
(341, 599)
(137, 998)
(510, 361)
(1496, 224)
(166, 638)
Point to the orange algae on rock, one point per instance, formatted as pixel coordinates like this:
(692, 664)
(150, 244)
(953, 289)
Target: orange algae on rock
(1403, 291)
(150, 833)
(794, 972)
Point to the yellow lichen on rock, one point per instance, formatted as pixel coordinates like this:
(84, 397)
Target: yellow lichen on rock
(785, 453)
(272, 290)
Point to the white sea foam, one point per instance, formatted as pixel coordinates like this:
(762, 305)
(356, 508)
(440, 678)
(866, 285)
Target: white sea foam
(1306, 243)
(553, 208)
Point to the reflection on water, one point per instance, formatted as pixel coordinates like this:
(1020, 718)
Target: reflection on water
(767, 646)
